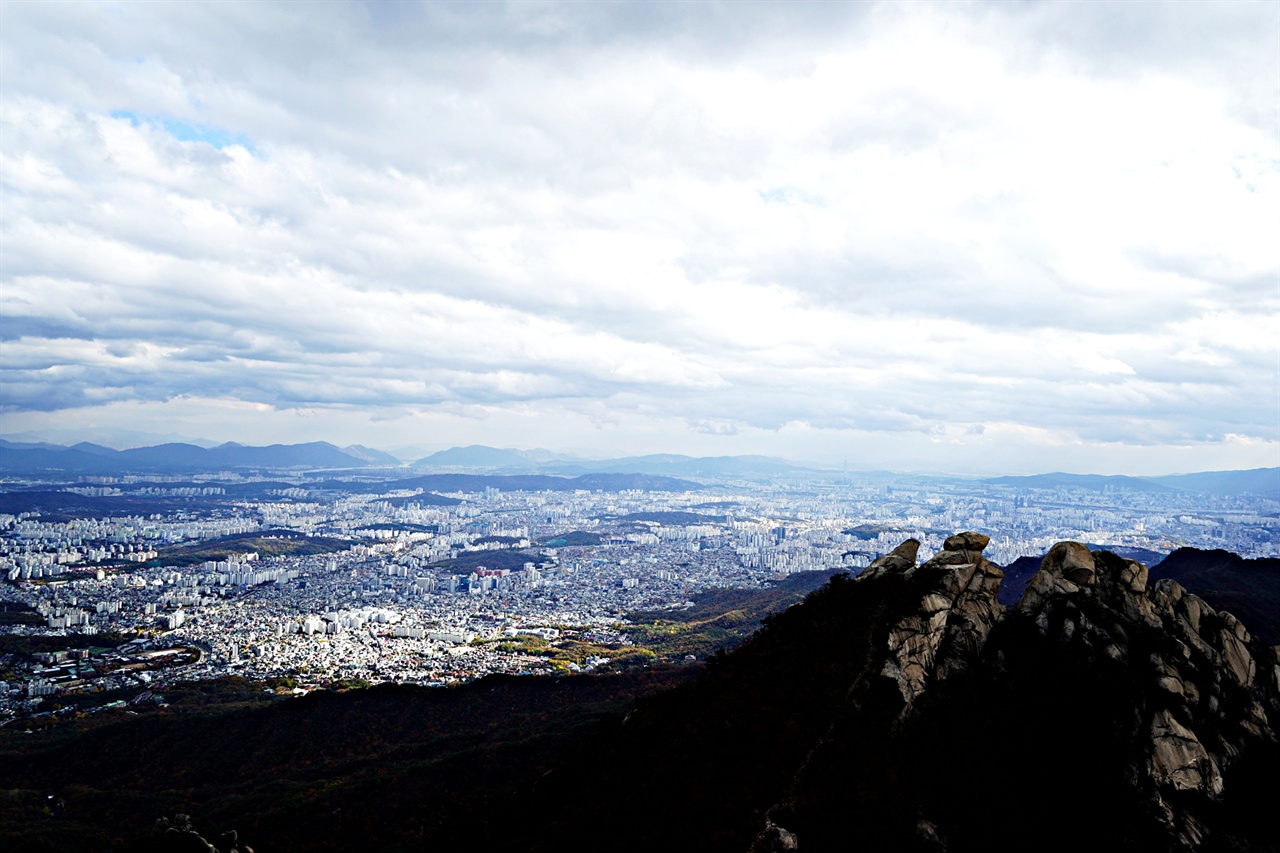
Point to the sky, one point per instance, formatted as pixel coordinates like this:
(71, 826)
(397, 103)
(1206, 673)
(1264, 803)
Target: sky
(965, 237)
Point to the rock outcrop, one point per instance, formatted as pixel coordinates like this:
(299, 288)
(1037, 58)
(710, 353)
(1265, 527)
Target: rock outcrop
(949, 626)
(1205, 706)
(1250, 589)
(1153, 684)
(179, 835)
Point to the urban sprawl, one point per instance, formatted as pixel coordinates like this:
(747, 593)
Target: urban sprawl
(411, 586)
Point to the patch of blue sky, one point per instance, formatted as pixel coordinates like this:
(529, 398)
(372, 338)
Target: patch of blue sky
(186, 131)
(790, 195)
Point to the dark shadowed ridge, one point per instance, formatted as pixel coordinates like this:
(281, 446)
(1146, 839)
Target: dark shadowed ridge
(1016, 577)
(1248, 588)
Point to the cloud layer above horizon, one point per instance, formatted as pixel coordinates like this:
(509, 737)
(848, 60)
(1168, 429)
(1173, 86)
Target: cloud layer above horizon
(880, 233)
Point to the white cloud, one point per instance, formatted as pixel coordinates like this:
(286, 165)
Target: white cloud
(697, 224)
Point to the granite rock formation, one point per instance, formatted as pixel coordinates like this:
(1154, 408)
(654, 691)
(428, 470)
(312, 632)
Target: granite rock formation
(1160, 691)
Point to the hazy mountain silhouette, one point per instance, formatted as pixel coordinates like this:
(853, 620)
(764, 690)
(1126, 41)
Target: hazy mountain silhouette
(1257, 481)
(478, 457)
(176, 457)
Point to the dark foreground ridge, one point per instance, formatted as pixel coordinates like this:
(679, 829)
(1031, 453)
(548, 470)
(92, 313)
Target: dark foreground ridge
(910, 710)
(1250, 589)
(906, 710)
(1097, 713)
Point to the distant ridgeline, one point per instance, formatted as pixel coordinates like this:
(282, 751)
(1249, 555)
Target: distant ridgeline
(908, 709)
(508, 467)
(362, 471)
(495, 460)
(1256, 481)
(534, 470)
(89, 458)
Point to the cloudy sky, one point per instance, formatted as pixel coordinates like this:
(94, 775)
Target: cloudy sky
(960, 237)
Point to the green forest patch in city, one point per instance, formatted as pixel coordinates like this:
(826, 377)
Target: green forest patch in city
(265, 543)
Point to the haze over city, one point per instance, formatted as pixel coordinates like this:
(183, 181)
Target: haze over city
(984, 238)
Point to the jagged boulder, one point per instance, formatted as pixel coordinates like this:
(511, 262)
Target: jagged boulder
(900, 559)
(957, 607)
(968, 543)
(975, 609)
(1065, 569)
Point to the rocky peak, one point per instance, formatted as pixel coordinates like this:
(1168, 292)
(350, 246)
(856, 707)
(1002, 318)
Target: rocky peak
(900, 559)
(968, 544)
(1201, 687)
(1205, 705)
(957, 607)
(1070, 572)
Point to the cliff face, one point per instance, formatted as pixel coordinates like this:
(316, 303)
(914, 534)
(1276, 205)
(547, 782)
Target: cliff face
(1098, 711)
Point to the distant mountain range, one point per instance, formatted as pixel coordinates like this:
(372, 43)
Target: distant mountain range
(371, 456)
(478, 457)
(607, 482)
(35, 458)
(117, 438)
(1257, 481)
(86, 458)
(42, 458)
(481, 458)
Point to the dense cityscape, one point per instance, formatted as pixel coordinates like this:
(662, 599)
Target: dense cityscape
(313, 583)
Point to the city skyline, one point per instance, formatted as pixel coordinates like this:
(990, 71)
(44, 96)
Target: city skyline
(979, 238)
